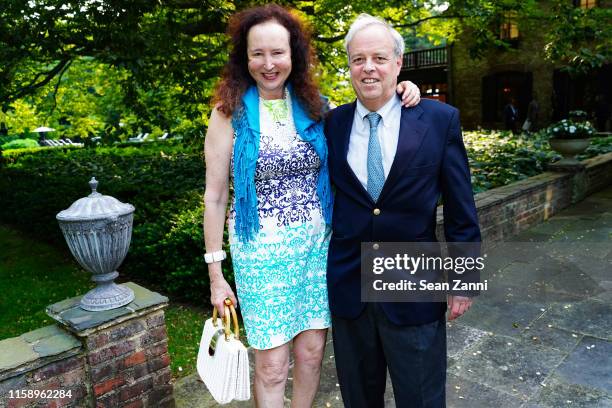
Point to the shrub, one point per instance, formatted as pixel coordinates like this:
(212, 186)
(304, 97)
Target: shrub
(164, 183)
(8, 138)
(500, 158)
(598, 145)
(20, 144)
(13, 155)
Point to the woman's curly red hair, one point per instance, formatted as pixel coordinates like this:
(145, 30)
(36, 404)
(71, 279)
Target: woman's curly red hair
(235, 78)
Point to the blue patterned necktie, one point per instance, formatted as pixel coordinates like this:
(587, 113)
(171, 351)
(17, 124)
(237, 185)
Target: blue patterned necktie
(376, 172)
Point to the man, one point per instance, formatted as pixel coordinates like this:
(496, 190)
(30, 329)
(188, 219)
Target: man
(390, 165)
(510, 115)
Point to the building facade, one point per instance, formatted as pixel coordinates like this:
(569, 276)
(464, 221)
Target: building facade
(481, 88)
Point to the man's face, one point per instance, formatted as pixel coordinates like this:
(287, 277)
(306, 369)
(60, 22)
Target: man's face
(374, 66)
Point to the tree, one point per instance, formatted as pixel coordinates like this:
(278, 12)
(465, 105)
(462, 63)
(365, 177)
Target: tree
(580, 38)
(156, 42)
(172, 50)
(577, 38)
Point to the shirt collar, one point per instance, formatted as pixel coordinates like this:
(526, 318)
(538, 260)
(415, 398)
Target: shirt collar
(385, 111)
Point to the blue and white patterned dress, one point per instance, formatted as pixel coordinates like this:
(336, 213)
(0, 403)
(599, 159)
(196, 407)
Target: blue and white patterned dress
(280, 273)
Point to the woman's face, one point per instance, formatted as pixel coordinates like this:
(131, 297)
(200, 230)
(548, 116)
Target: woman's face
(269, 56)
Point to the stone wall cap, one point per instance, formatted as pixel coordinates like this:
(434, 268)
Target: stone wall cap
(598, 160)
(35, 346)
(69, 314)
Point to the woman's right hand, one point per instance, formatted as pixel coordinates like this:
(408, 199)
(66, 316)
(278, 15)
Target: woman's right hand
(219, 291)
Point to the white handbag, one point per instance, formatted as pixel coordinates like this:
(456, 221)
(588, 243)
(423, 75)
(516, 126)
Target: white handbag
(223, 361)
(526, 125)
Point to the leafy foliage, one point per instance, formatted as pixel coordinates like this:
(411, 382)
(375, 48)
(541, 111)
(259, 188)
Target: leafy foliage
(580, 38)
(114, 69)
(500, 158)
(20, 144)
(14, 154)
(89, 100)
(165, 182)
(598, 145)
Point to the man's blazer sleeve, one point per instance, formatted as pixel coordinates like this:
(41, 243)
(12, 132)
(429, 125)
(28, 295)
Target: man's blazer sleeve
(461, 228)
(460, 218)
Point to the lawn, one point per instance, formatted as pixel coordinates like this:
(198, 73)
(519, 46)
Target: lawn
(34, 275)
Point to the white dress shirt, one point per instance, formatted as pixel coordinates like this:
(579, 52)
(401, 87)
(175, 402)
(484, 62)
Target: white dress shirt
(388, 135)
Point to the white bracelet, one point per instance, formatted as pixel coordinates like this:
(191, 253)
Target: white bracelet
(217, 256)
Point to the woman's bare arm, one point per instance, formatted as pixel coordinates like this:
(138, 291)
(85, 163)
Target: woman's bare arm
(217, 152)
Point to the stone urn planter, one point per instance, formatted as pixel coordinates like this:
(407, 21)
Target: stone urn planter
(569, 138)
(98, 230)
(569, 149)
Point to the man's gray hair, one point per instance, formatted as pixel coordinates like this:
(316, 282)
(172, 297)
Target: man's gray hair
(365, 20)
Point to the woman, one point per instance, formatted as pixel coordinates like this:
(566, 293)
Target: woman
(266, 131)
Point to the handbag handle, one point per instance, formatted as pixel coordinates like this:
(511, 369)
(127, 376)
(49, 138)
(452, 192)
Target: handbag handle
(229, 308)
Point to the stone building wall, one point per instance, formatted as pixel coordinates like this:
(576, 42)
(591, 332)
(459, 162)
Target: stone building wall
(467, 74)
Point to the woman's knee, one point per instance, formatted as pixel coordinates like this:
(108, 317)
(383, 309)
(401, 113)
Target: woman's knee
(310, 350)
(271, 369)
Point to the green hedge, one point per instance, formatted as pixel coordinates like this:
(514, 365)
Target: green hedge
(20, 144)
(164, 183)
(12, 155)
(8, 138)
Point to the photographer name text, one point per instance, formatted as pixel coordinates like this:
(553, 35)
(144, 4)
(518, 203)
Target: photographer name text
(406, 285)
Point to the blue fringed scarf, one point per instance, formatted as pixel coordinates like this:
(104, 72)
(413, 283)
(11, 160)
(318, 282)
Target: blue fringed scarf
(246, 150)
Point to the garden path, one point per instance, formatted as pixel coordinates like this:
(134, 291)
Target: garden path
(540, 337)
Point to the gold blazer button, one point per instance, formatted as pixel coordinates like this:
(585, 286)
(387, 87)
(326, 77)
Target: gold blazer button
(376, 211)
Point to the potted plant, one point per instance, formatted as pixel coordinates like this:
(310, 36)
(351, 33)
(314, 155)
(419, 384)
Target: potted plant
(569, 138)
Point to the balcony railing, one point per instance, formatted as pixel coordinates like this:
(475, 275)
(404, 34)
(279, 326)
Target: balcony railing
(432, 57)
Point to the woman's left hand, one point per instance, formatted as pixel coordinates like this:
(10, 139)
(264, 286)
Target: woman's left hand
(410, 94)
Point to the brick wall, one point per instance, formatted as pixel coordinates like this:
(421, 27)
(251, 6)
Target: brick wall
(66, 377)
(114, 358)
(506, 211)
(129, 364)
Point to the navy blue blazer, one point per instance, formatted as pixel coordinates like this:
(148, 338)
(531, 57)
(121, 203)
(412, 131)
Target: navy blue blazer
(430, 162)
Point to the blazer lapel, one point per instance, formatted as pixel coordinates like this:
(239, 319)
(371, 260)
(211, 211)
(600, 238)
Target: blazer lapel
(411, 134)
(351, 178)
